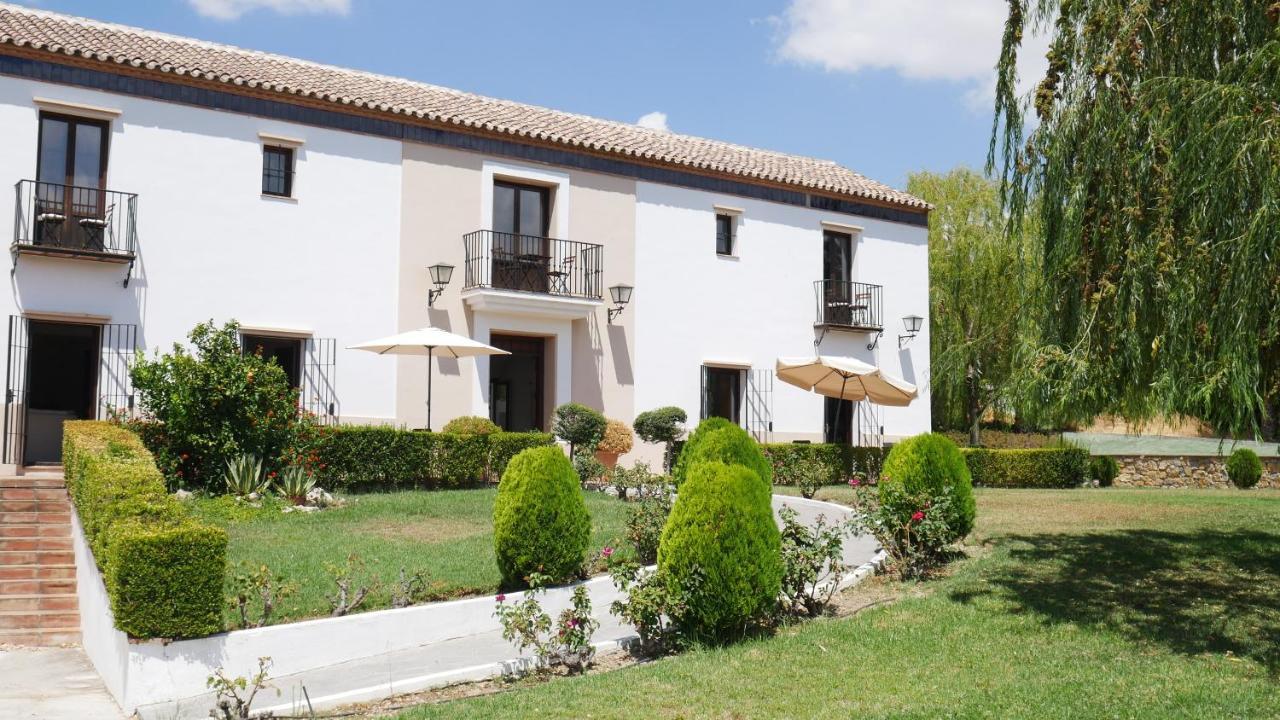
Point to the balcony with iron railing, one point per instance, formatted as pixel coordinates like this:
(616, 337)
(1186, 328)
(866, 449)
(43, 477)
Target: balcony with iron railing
(71, 221)
(531, 264)
(849, 305)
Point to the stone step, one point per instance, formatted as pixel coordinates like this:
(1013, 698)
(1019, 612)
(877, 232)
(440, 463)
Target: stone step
(35, 544)
(26, 518)
(37, 586)
(39, 620)
(31, 530)
(51, 571)
(39, 638)
(34, 482)
(47, 602)
(36, 557)
(35, 506)
(51, 494)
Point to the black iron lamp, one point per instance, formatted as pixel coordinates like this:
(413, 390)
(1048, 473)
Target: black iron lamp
(911, 323)
(621, 295)
(441, 274)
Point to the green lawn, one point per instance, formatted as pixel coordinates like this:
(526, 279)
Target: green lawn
(448, 533)
(1075, 604)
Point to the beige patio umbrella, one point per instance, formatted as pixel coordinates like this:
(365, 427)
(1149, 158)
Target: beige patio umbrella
(429, 341)
(845, 378)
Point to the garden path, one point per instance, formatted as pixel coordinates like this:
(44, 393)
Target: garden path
(472, 657)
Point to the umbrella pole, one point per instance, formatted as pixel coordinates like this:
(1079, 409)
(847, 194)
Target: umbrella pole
(430, 350)
(836, 430)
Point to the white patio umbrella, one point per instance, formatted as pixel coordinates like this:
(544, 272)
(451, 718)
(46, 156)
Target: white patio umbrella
(429, 341)
(845, 378)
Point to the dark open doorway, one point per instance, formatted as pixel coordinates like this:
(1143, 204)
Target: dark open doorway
(837, 422)
(286, 351)
(516, 382)
(62, 378)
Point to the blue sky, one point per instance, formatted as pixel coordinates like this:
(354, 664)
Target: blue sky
(882, 86)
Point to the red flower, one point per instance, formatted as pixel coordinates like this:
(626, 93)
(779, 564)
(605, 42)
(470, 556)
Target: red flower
(854, 481)
(607, 552)
(501, 597)
(917, 516)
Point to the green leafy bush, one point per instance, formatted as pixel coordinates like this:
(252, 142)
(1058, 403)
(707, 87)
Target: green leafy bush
(723, 549)
(1060, 467)
(662, 425)
(719, 439)
(351, 456)
(215, 403)
(931, 465)
(1244, 468)
(163, 570)
(471, 425)
(578, 425)
(1103, 470)
(913, 525)
(842, 461)
(540, 520)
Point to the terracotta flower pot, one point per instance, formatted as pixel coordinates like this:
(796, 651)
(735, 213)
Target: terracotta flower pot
(608, 459)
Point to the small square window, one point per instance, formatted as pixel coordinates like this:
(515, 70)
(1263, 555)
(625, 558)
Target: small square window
(724, 234)
(277, 171)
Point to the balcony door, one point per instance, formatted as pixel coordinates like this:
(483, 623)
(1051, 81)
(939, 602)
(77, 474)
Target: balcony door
(837, 277)
(71, 173)
(521, 251)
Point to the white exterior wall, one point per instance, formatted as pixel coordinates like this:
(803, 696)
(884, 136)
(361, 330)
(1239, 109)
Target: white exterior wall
(211, 246)
(693, 306)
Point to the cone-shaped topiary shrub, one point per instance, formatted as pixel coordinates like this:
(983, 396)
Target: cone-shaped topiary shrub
(1244, 468)
(931, 464)
(540, 521)
(722, 548)
(719, 439)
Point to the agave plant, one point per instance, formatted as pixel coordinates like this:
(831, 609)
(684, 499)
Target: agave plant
(244, 476)
(294, 484)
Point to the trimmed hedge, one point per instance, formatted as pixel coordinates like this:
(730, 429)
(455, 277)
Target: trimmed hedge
(931, 463)
(163, 570)
(540, 519)
(1030, 468)
(842, 460)
(386, 456)
(722, 547)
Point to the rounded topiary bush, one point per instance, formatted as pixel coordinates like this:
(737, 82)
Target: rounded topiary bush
(719, 439)
(540, 521)
(471, 425)
(932, 464)
(1103, 469)
(722, 548)
(1244, 468)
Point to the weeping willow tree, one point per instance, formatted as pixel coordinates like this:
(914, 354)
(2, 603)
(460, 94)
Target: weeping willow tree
(980, 286)
(1152, 148)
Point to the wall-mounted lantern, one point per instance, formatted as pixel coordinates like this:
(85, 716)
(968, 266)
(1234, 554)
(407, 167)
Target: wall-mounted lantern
(911, 323)
(441, 274)
(621, 295)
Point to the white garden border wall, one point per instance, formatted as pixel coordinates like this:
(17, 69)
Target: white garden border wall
(143, 673)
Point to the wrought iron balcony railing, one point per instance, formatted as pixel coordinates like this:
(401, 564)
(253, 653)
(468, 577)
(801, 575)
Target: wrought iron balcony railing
(855, 305)
(59, 219)
(528, 263)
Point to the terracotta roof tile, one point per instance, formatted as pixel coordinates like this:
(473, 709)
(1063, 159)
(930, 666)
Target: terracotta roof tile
(109, 43)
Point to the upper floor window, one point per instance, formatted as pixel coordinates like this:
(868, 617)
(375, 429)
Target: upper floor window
(277, 170)
(521, 209)
(73, 151)
(724, 234)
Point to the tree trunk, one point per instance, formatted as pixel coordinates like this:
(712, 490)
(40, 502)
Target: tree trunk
(973, 408)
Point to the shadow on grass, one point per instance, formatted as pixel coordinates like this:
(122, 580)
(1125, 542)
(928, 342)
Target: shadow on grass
(1203, 591)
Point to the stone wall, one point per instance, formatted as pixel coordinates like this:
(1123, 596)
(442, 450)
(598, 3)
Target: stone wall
(1195, 471)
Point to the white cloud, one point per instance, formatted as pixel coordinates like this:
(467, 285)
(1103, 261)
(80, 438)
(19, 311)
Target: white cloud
(951, 40)
(654, 121)
(233, 9)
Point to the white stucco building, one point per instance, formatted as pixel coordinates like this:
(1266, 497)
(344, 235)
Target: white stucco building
(163, 181)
